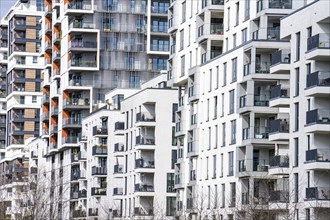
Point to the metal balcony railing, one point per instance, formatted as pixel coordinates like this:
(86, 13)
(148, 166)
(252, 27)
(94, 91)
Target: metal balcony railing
(320, 41)
(279, 125)
(318, 116)
(279, 161)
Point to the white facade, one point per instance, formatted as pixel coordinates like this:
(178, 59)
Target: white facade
(234, 110)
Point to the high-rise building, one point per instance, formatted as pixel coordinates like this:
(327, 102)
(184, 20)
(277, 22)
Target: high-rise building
(21, 87)
(239, 108)
(91, 47)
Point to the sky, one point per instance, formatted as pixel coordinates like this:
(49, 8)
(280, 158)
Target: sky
(5, 6)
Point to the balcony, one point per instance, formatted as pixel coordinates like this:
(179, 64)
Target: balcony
(318, 84)
(100, 131)
(82, 63)
(100, 150)
(74, 157)
(318, 121)
(93, 212)
(79, 7)
(141, 140)
(81, 45)
(275, 5)
(193, 92)
(279, 196)
(56, 56)
(53, 129)
(143, 187)
(74, 195)
(79, 214)
(98, 191)
(54, 111)
(317, 159)
(75, 174)
(279, 97)
(76, 103)
(145, 118)
(279, 130)
(172, 25)
(118, 191)
(318, 47)
(118, 169)
(318, 193)
(142, 166)
(80, 24)
(82, 193)
(142, 212)
(245, 167)
(280, 62)
(192, 176)
(279, 165)
(100, 171)
(71, 122)
(119, 147)
(70, 140)
(82, 155)
(267, 34)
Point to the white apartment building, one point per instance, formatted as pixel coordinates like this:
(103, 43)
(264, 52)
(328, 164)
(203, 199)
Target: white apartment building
(309, 108)
(150, 152)
(233, 122)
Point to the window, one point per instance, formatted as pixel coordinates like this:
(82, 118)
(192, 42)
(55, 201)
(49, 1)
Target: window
(207, 168)
(174, 109)
(224, 80)
(296, 187)
(296, 152)
(233, 132)
(247, 9)
(223, 195)
(234, 40)
(216, 136)
(308, 214)
(217, 78)
(208, 197)
(182, 39)
(182, 65)
(215, 113)
(237, 13)
(214, 166)
(170, 182)
(221, 165)
(223, 134)
(231, 101)
(296, 119)
(210, 81)
(234, 70)
(210, 138)
(309, 32)
(228, 20)
(230, 163)
(34, 99)
(222, 104)
(190, 59)
(183, 12)
(308, 68)
(35, 59)
(189, 35)
(297, 78)
(244, 35)
(170, 206)
(232, 194)
(215, 197)
(298, 46)
(207, 109)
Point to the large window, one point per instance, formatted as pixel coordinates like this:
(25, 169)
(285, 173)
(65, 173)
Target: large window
(234, 70)
(182, 39)
(183, 65)
(230, 163)
(170, 206)
(231, 101)
(298, 46)
(233, 132)
(183, 12)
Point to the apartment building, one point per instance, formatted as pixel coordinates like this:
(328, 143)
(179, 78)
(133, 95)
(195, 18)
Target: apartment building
(3, 75)
(89, 48)
(21, 77)
(235, 142)
(309, 108)
(93, 183)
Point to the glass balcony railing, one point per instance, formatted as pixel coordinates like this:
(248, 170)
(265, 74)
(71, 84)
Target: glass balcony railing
(319, 78)
(321, 41)
(82, 44)
(216, 29)
(82, 63)
(318, 193)
(261, 100)
(279, 161)
(82, 24)
(279, 57)
(279, 125)
(318, 155)
(278, 92)
(318, 116)
(253, 165)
